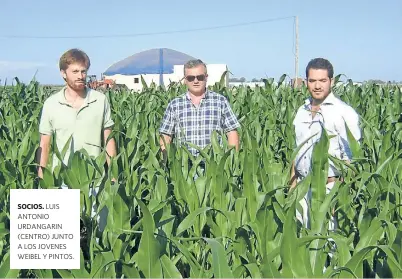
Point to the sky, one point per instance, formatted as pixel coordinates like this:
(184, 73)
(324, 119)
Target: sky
(362, 39)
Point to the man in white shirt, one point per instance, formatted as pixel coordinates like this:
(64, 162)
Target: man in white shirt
(322, 110)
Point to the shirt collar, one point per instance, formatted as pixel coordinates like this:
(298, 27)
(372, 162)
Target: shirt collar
(329, 100)
(88, 99)
(207, 92)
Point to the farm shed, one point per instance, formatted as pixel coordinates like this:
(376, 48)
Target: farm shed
(160, 65)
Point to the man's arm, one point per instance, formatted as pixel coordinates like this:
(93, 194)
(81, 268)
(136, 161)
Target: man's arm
(298, 140)
(42, 154)
(352, 120)
(230, 125)
(108, 123)
(233, 139)
(110, 145)
(46, 131)
(166, 129)
(110, 148)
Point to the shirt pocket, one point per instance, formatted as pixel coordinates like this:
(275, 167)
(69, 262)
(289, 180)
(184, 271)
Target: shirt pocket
(302, 131)
(330, 129)
(334, 146)
(95, 120)
(62, 123)
(216, 123)
(216, 119)
(183, 120)
(181, 124)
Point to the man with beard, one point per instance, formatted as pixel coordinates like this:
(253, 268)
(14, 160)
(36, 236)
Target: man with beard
(75, 112)
(322, 110)
(78, 118)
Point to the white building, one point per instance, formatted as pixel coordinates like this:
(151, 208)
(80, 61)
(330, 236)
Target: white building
(251, 84)
(158, 66)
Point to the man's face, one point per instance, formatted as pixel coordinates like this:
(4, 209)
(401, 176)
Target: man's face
(75, 76)
(319, 84)
(196, 79)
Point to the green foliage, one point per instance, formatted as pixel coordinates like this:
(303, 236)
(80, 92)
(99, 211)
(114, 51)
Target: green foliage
(238, 218)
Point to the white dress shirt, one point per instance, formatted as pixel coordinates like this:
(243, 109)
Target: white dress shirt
(332, 115)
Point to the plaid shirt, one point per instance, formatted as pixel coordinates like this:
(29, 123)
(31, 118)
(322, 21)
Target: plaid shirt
(195, 124)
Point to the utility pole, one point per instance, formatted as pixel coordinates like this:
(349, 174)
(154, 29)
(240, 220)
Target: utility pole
(296, 50)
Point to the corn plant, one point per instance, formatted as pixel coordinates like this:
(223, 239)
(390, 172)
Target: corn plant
(238, 217)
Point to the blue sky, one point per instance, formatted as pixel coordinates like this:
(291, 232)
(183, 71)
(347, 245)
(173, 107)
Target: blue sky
(361, 38)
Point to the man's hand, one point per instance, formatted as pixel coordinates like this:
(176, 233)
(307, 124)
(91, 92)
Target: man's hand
(164, 139)
(40, 172)
(111, 149)
(110, 145)
(233, 139)
(42, 154)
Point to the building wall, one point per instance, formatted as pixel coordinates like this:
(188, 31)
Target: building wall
(251, 84)
(133, 82)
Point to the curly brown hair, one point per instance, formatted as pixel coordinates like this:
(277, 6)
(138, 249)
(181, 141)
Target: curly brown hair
(72, 56)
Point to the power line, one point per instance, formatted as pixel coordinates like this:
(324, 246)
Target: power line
(146, 34)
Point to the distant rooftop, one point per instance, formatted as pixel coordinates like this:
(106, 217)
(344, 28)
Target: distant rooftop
(149, 62)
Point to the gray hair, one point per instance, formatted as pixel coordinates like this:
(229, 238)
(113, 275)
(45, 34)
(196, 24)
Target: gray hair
(194, 63)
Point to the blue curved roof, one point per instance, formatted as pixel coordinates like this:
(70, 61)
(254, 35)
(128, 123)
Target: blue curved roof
(149, 62)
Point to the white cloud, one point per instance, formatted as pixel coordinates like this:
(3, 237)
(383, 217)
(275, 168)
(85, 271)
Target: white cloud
(26, 70)
(10, 66)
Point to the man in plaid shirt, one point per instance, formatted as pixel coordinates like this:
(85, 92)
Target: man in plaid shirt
(193, 116)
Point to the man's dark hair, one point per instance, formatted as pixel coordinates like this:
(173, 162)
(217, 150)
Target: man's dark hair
(320, 64)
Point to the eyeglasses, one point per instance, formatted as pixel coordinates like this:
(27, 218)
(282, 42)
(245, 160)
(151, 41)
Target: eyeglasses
(192, 78)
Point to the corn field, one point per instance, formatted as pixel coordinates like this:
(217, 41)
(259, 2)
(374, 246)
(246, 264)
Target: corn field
(238, 218)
